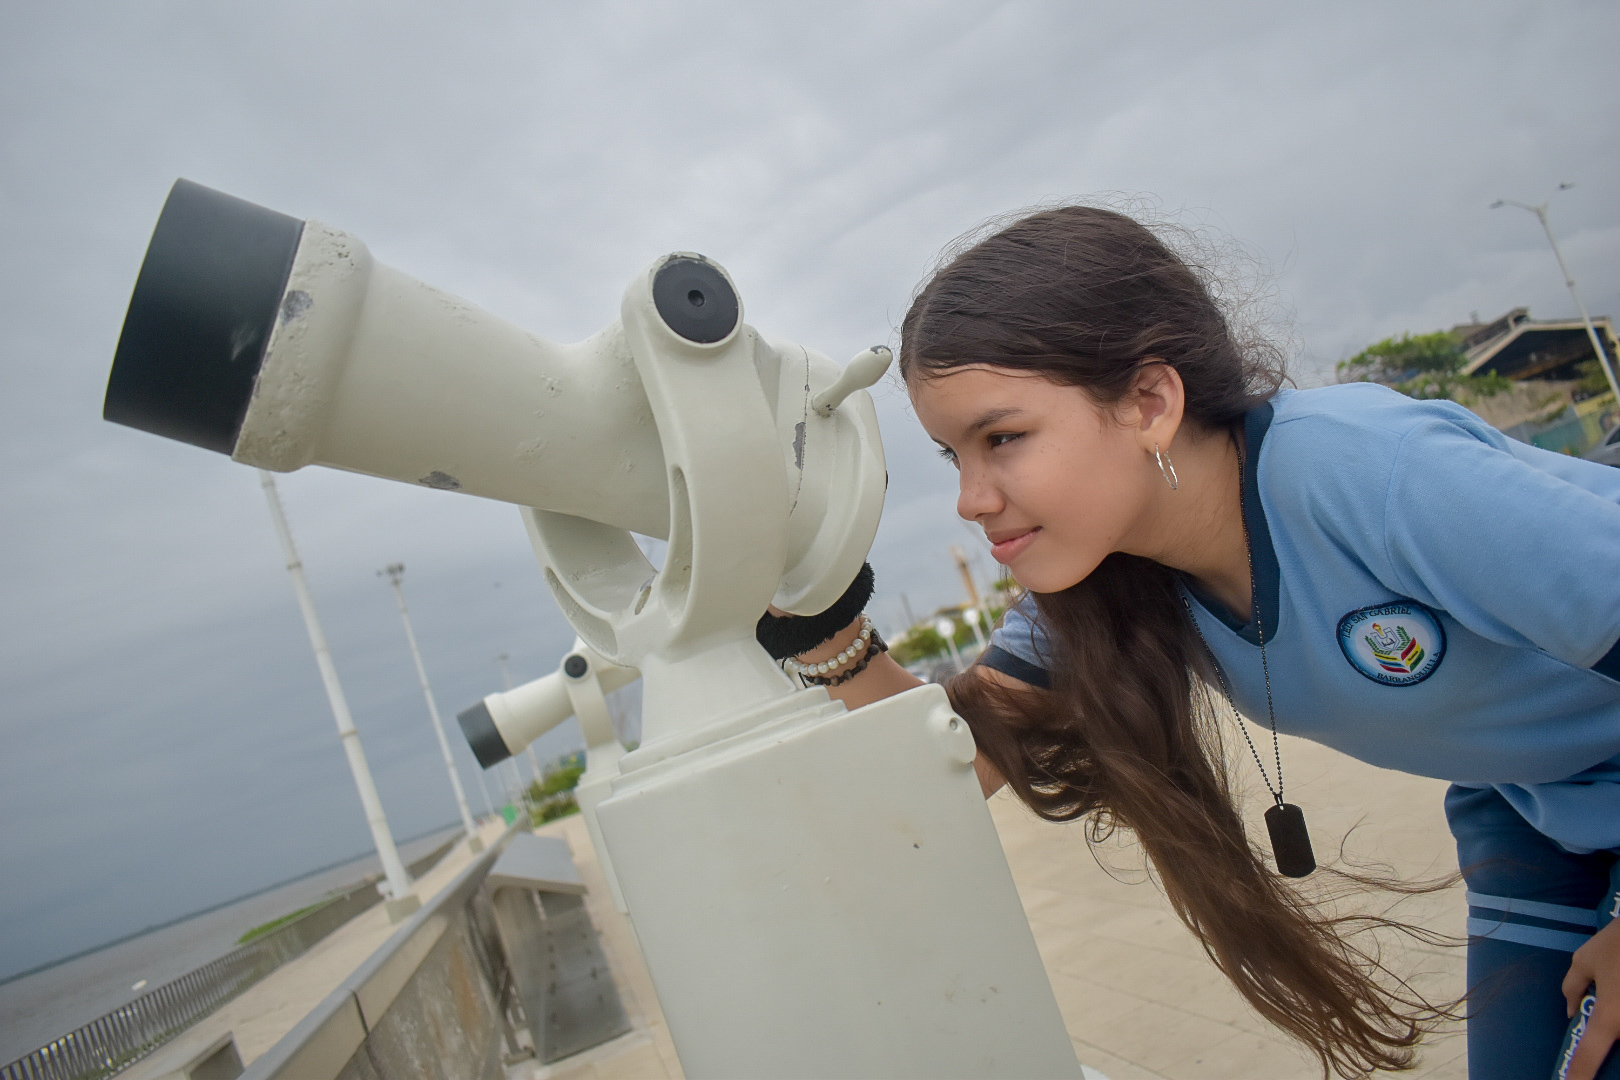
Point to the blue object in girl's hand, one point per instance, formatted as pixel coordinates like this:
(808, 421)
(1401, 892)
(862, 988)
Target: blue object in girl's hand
(1583, 1014)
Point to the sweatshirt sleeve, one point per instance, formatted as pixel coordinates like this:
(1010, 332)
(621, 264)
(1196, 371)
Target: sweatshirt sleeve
(1521, 550)
(1018, 647)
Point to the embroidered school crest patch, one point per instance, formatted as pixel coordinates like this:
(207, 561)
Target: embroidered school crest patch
(1395, 644)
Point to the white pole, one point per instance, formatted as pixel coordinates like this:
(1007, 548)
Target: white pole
(506, 677)
(534, 763)
(517, 785)
(975, 602)
(399, 883)
(947, 630)
(1569, 280)
(483, 789)
(396, 575)
(973, 616)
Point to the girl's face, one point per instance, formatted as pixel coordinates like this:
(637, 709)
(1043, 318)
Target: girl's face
(1057, 482)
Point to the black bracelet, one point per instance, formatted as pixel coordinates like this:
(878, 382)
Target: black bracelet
(877, 647)
(789, 635)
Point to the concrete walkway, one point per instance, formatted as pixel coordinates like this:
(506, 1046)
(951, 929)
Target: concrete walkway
(646, 1052)
(1139, 996)
(270, 1008)
(1140, 999)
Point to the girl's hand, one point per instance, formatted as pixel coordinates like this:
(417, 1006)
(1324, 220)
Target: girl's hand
(1597, 963)
(882, 678)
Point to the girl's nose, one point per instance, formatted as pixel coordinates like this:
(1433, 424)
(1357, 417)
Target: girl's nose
(977, 499)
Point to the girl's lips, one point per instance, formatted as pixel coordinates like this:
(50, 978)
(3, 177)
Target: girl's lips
(1008, 550)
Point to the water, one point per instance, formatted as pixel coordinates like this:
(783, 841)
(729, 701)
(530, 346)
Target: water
(36, 1008)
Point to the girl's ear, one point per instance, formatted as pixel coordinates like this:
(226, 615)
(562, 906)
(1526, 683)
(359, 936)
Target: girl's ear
(1159, 401)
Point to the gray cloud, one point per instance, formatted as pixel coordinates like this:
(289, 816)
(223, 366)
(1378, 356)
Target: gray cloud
(167, 742)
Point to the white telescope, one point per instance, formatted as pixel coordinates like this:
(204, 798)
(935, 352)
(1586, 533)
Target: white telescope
(501, 725)
(817, 892)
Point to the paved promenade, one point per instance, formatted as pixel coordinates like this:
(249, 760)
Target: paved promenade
(1140, 999)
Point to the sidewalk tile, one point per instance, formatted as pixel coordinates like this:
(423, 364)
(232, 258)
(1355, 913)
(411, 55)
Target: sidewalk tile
(1111, 1065)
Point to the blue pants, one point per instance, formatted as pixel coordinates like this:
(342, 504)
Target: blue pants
(1530, 905)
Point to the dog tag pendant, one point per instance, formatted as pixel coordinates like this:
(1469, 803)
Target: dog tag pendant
(1290, 842)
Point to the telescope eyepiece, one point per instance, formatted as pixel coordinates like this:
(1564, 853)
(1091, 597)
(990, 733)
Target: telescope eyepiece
(483, 736)
(695, 300)
(207, 299)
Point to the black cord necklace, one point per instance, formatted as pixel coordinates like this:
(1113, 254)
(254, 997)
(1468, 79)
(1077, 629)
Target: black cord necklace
(1290, 840)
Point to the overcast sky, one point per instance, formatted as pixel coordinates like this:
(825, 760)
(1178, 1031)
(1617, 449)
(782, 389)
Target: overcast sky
(166, 741)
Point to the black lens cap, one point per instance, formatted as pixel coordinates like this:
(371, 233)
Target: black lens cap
(201, 316)
(483, 737)
(695, 300)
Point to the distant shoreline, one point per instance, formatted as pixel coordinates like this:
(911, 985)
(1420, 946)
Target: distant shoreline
(155, 927)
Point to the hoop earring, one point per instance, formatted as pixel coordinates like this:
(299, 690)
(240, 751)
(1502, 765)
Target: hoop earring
(1167, 468)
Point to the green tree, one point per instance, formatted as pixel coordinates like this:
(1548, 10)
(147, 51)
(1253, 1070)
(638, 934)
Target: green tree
(553, 797)
(557, 782)
(1421, 366)
(921, 643)
(1592, 380)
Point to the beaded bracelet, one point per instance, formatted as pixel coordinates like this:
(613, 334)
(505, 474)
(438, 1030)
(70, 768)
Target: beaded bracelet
(796, 667)
(877, 648)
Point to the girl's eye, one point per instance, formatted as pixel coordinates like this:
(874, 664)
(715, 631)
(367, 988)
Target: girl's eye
(948, 454)
(1004, 439)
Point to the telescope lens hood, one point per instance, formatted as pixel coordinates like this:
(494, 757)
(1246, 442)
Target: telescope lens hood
(483, 736)
(201, 316)
(695, 300)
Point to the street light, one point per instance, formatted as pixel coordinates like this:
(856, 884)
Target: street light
(516, 791)
(946, 629)
(1569, 280)
(401, 901)
(973, 615)
(395, 573)
(506, 679)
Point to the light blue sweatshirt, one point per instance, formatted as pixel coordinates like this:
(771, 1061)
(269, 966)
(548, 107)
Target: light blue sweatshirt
(1436, 598)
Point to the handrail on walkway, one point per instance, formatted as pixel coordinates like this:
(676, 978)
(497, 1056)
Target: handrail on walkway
(441, 997)
(111, 1043)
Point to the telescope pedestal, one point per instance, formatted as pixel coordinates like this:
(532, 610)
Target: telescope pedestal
(794, 887)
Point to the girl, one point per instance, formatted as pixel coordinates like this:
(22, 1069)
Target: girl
(1391, 577)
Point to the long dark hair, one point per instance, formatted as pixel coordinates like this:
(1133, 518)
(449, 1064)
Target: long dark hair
(1128, 734)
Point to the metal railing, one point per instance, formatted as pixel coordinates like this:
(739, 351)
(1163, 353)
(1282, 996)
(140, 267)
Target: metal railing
(113, 1042)
(441, 997)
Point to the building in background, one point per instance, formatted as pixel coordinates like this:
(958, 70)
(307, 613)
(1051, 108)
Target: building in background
(1556, 403)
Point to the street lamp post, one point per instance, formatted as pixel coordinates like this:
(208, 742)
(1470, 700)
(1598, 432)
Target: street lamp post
(483, 789)
(515, 790)
(946, 629)
(395, 573)
(401, 901)
(1569, 280)
(973, 615)
(506, 678)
